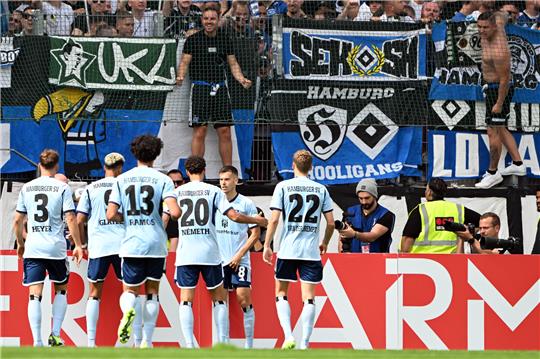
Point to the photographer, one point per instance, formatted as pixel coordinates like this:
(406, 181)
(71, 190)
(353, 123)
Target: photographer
(489, 226)
(367, 226)
(424, 231)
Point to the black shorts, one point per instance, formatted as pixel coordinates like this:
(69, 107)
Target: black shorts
(491, 93)
(210, 104)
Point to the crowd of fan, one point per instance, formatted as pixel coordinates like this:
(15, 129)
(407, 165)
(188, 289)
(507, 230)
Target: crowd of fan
(137, 18)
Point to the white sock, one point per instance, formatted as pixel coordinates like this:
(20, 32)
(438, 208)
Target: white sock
(308, 320)
(249, 325)
(34, 317)
(127, 302)
(186, 322)
(221, 317)
(92, 316)
(59, 308)
(284, 315)
(138, 322)
(151, 311)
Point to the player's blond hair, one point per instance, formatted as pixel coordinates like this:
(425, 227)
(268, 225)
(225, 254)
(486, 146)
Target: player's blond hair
(303, 160)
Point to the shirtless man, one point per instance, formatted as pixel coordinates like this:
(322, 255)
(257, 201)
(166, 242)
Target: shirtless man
(498, 91)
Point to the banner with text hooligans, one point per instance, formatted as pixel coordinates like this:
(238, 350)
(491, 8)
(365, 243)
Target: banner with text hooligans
(436, 302)
(459, 57)
(352, 50)
(113, 63)
(465, 155)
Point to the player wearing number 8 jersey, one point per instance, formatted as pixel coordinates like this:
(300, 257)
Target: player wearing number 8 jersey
(139, 193)
(301, 202)
(44, 202)
(104, 237)
(198, 251)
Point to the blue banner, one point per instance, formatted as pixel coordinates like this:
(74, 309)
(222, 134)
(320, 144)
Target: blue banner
(465, 155)
(458, 75)
(356, 52)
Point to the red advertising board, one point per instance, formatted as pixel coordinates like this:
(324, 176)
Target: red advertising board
(365, 301)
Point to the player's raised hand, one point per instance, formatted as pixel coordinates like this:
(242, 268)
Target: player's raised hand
(267, 255)
(77, 254)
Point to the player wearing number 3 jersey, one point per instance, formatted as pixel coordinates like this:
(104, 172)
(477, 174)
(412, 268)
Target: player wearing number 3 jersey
(139, 194)
(198, 251)
(301, 202)
(44, 202)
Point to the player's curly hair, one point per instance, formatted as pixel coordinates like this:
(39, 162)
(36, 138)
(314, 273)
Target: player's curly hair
(195, 165)
(146, 148)
(49, 158)
(303, 160)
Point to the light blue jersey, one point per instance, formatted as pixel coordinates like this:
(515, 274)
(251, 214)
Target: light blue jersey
(197, 243)
(140, 193)
(232, 236)
(45, 200)
(104, 236)
(302, 203)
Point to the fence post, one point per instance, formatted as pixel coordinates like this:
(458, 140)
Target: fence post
(277, 43)
(38, 23)
(158, 24)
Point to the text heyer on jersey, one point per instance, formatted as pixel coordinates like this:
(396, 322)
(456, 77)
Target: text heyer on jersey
(41, 229)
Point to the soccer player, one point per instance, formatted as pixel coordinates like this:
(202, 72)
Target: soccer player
(198, 251)
(104, 237)
(140, 192)
(301, 202)
(44, 202)
(234, 246)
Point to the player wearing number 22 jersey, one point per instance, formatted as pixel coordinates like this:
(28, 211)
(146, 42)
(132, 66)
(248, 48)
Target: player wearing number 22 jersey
(139, 194)
(301, 202)
(198, 251)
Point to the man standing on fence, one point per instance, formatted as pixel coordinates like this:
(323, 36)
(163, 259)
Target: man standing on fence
(208, 52)
(498, 91)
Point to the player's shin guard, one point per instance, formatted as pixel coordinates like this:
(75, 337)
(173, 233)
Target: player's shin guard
(92, 316)
(151, 311)
(249, 325)
(34, 317)
(138, 322)
(59, 308)
(221, 317)
(284, 315)
(186, 322)
(308, 320)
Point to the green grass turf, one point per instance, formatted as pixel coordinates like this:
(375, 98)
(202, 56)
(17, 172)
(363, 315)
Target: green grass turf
(219, 353)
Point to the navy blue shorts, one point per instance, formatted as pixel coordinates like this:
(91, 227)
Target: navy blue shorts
(36, 269)
(135, 271)
(236, 279)
(187, 276)
(99, 267)
(310, 271)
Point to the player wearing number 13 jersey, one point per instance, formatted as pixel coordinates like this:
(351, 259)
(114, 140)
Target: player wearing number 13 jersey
(302, 202)
(198, 251)
(139, 194)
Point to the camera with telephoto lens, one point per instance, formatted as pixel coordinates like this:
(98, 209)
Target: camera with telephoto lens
(511, 244)
(340, 225)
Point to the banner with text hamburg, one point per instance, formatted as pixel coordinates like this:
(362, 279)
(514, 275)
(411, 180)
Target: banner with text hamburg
(459, 55)
(350, 128)
(352, 50)
(112, 63)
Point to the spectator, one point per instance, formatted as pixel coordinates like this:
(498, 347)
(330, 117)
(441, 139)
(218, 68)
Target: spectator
(260, 26)
(370, 225)
(144, 17)
(172, 225)
(468, 12)
(531, 14)
(99, 11)
(27, 21)
(124, 23)
(15, 23)
(294, 9)
(324, 13)
(512, 10)
(409, 11)
(431, 12)
(185, 18)
(424, 231)
(104, 30)
(58, 17)
(417, 6)
(210, 97)
(350, 10)
(368, 10)
(394, 11)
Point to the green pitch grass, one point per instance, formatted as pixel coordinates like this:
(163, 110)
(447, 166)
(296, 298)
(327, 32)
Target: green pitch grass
(222, 353)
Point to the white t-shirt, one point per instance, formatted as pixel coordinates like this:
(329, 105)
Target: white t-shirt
(57, 20)
(104, 236)
(45, 200)
(145, 26)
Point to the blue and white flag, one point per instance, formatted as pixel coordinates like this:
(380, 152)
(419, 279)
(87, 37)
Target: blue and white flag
(459, 55)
